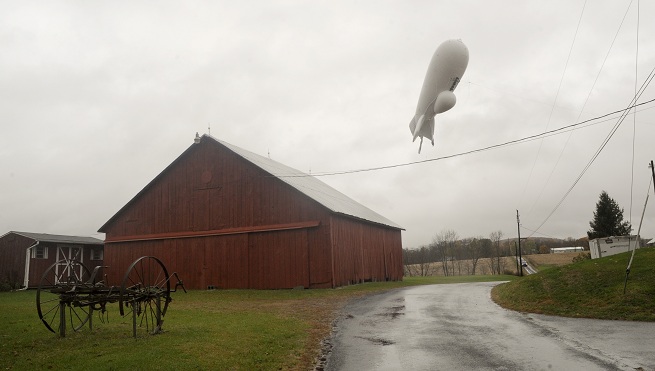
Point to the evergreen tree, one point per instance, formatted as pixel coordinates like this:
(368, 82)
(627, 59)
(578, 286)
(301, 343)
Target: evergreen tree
(608, 219)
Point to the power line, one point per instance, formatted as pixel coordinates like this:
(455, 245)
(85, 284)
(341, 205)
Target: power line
(566, 143)
(616, 126)
(561, 130)
(552, 109)
(634, 117)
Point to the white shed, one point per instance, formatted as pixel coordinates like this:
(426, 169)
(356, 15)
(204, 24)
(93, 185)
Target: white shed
(559, 250)
(606, 246)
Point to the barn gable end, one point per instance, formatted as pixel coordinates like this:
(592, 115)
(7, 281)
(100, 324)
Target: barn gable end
(224, 217)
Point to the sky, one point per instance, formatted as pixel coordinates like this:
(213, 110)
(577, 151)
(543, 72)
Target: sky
(97, 98)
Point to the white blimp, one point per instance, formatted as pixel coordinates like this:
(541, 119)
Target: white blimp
(444, 73)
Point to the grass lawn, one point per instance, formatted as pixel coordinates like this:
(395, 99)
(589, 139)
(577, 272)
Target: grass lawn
(590, 288)
(218, 330)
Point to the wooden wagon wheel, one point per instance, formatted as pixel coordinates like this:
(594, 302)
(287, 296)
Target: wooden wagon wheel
(57, 300)
(145, 294)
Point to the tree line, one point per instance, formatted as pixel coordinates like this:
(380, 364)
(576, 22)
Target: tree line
(462, 256)
(459, 256)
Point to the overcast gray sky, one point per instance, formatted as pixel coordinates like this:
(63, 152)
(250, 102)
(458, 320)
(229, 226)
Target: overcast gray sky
(97, 98)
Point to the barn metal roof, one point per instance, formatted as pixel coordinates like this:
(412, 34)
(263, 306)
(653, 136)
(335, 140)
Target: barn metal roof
(320, 192)
(312, 187)
(44, 237)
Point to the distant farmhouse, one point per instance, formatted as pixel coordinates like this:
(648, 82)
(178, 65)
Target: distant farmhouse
(25, 256)
(224, 217)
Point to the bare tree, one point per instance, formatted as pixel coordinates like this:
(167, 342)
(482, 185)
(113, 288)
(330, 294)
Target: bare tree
(445, 241)
(438, 251)
(418, 262)
(460, 256)
(438, 246)
(474, 249)
(495, 238)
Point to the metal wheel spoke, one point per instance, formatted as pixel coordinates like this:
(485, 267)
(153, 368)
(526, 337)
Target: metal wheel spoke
(55, 308)
(47, 282)
(55, 316)
(139, 272)
(160, 280)
(144, 318)
(49, 304)
(146, 283)
(50, 301)
(153, 316)
(81, 320)
(129, 311)
(65, 299)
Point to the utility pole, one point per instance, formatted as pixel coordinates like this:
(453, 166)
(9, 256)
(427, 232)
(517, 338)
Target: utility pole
(516, 255)
(627, 270)
(518, 223)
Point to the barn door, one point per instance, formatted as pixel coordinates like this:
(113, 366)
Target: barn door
(70, 253)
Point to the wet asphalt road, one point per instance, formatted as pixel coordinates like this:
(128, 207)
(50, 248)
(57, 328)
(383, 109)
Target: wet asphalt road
(458, 327)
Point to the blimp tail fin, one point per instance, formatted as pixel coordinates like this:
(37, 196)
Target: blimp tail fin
(412, 125)
(422, 128)
(416, 126)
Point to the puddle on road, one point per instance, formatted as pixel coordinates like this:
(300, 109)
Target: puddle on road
(393, 312)
(378, 341)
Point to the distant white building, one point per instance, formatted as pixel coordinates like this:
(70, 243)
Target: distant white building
(559, 250)
(601, 247)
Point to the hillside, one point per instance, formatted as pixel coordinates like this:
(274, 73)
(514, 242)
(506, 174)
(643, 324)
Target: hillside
(591, 289)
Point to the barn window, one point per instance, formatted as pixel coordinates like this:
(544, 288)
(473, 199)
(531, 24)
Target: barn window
(96, 253)
(40, 252)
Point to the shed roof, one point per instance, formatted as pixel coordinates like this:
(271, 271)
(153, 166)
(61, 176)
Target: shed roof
(320, 192)
(57, 238)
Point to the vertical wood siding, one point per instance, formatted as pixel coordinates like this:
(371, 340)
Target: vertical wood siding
(365, 252)
(278, 260)
(12, 257)
(209, 188)
(267, 260)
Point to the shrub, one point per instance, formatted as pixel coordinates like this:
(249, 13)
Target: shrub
(582, 256)
(5, 286)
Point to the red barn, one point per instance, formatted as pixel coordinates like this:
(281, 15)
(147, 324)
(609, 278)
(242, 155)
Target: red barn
(25, 256)
(225, 217)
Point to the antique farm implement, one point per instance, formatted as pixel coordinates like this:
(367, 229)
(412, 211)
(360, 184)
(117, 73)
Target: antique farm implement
(69, 294)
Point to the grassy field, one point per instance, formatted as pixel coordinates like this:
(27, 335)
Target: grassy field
(543, 261)
(218, 330)
(283, 329)
(590, 288)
